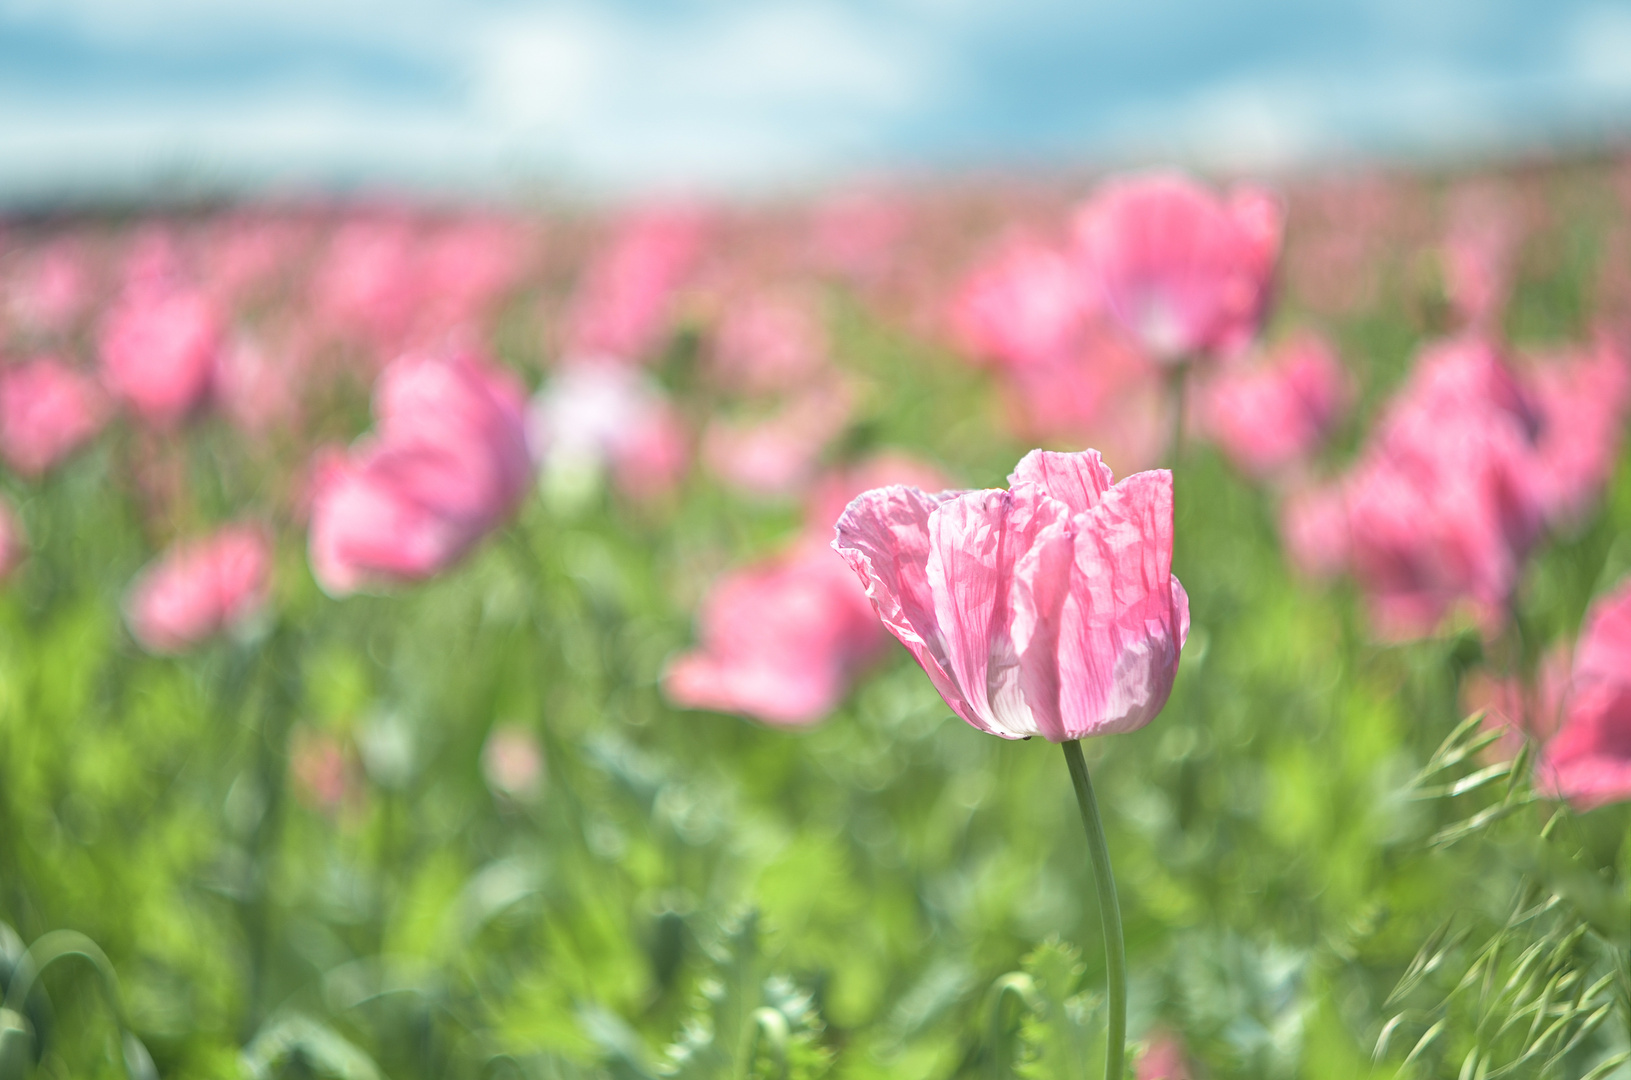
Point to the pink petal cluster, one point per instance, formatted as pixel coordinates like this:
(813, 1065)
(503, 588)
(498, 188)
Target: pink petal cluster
(606, 415)
(1048, 609)
(776, 454)
(1588, 761)
(47, 411)
(625, 300)
(1456, 483)
(199, 589)
(446, 464)
(769, 342)
(780, 641)
(1275, 414)
(1164, 1059)
(1067, 373)
(50, 290)
(1478, 255)
(158, 348)
(1184, 271)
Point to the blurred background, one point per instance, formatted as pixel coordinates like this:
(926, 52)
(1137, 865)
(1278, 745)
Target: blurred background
(179, 98)
(422, 428)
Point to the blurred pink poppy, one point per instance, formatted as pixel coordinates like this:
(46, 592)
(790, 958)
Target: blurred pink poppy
(594, 416)
(1588, 761)
(1184, 271)
(365, 287)
(158, 350)
(323, 771)
(1049, 609)
(1581, 402)
(1022, 306)
(768, 342)
(1276, 413)
(1164, 1058)
(247, 255)
(512, 763)
(776, 455)
(254, 384)
(625, 299)
(51, 288)
(1314, 531)
(200, 588)
(857, 234)
(467, 267)
(47, 411)
(1444, 505)
(447, 463)
(780, 641)
(1518, 711)
(1478, 255)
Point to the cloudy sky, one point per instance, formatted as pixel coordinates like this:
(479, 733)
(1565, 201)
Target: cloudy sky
(102, 97)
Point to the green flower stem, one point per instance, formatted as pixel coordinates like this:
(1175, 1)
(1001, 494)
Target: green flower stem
(1115, 949)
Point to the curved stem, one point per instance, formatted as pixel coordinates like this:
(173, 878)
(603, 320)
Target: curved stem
(1115, 954)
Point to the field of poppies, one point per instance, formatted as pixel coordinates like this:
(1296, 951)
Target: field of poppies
(424, 652)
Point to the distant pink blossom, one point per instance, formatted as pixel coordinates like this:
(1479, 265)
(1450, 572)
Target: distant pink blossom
(1164, 1059)
(47, 411)
(1588, 761)
(466, 268)
(1443, 506)
(158, 348)
(858, 234)
(1024, 305)
(200, 588)
(609, 416)
(254, 384)
(365, 287)
(768, 342)
(1275, 414)
(323, 771)
(512, 762)
(1478, 254)
(1314, 529)
(1185, 271)
(446, 464)
(779, 641)
(51, 288)
(1581, 401)
(249, 255)
(625, 300)
(779, 454)
(1048, 609)
(1520, 712)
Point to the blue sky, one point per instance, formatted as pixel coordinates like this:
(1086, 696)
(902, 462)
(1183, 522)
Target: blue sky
(105, 97)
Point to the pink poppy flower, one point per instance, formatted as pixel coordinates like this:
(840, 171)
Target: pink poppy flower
(595, 416)
(1478, 255)
(51, 289)
(1023, 306)
(779, 454)
(512, 763)
(254, 385)
(324, 772)
(158, 349)
(1518, 711)
(1275, 414)
(858, 234)
(768, 342)
(1581, 402)
(1588, 761)
(625, 301)
(1049, 609)
(199, 589)
(1184, 271)
(47, 411)
(466, 269)
(1314, 531)
(1444, 505)
(780, 641)
(1164, 1059)
(447, 464)
(366, 285)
